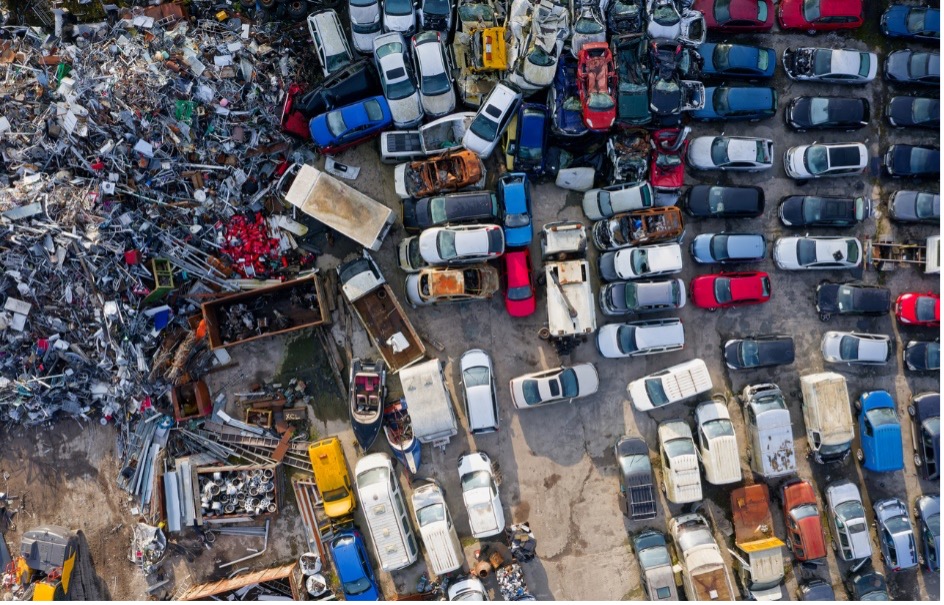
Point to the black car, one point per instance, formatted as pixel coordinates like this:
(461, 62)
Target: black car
(867, 586)
(917, 161)
(914, 112)
(913, 67)
(816, 590)
(637, 489)
(822, 211)
(715, 201)
(353, 83)
(758, 352)
(851, 299)
(921, 356)
(827, 113)
(925, 412)
(449, 208)
(625, 17)
(915, 207)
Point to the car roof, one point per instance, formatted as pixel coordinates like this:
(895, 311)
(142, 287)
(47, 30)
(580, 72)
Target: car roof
(516, 267)
(429, 55)
(652, 293)
(844, 155)
(746, 287)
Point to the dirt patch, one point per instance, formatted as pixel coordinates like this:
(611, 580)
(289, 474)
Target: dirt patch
(551, 481)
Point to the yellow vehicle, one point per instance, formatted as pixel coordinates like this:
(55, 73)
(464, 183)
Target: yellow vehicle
(331, 477)
(488, 50)
(46, 562)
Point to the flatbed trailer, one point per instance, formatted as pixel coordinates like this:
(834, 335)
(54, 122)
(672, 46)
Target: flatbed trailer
(886, 255)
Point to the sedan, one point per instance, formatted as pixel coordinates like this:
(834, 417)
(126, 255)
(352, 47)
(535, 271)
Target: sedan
(480, 495)
(814, 16)
(623, 298)
(912, 23)
(353, 566)
(514, 194)
(856, 348)
(895, 534)
(920, 356)
(928, 516)
(915, 161)
(729, 103)
(817, 211)
(519, 287)
(644, 261)
(589, 26)
(734, 16)
(365, 23)
(827, 113)
(435, 74)
(914, 112)
(461, 244)
(723, 290)
(913, 67)
(837, 65)
(491, 120)
(824, 252)
(825, 160)
(478, 390)
(597, 82)
(917, 309)
(925, 412)
(716, 201)
(758, 352)
(726, 248)
(603, 203)
(731, 153)
(351, 125)
(639, 338)
(802, 516)
(399, 16)
(397, 80)
(737, 60)
(852, 299)
(551, 386)
(915, 207)
(847, 521)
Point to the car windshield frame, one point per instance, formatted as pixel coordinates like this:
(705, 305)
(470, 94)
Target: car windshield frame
(476, 480)
(680, 446)
(749, 353)
(398, 8)
(719, 247)
(569, 385)
(519, 293)
(434, 513)
(804, 511)
(335, 123)
(806, 252)
(484, 127)
(722, 11)
(656, 392)
(925, 307)
(882, 417)
(402, 88)
(719, 427)
(849, 347)
(446, 245)
(600, 101)
(476, 376)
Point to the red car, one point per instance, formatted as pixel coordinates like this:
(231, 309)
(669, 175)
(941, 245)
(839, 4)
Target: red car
(802, 518)
(916, 309)
(293, 121)
(597, 82)
(667, 160)
(519, 288)
(737, 15)
(820, 15)
(722, 290)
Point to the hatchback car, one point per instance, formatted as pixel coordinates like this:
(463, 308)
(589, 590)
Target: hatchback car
(355, 572)
(715, 201)
(398, 80)
(554, 385)
(821, 252)
(895, 534)
(365, 23)
(915, 207)
(623, 298)
(725, 248)
(399, 16)
(526, 140)
(823, 160)
(922, 356)
(331, 45)
(821, 211)
(735, 16)
(913, 67)
(722, 60)
(480, 495)
(432, 285)
(747, 154)
(815, 590)
(920, 23)
(827, 113)
(914, 112)
(655, 565)
(867, 586)
(853, 298)
(644, 261)
(723, 290)
(914, 161)
(802, 520)
(758, 352)
(461, 244)
(514, 195)
(434, 72)
(928, 517)
(879, 433)
(450, 208)
(847, 521)
(856, 348)
(343, 128)
(836, 65)
(916, 309)
(640, 338)
(814, 16)
(637, 491)
(478, 391)
(603, 203)
(491, 120)
(925, 412)
(520, 300)
(731, 103)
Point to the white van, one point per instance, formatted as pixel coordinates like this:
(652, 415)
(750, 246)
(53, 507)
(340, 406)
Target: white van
(827, 414)
(436, 529)
(681, 481)
(717, 445)
(769, 431)
(385, 510)
(671, 385)
(331, 45)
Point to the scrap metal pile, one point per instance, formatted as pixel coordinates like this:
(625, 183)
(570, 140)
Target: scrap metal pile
(138, 162)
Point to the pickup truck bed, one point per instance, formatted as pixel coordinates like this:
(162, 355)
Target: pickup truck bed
(383, 317)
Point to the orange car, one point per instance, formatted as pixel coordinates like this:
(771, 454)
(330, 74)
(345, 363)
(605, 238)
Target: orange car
(802, 517)
(439, 174)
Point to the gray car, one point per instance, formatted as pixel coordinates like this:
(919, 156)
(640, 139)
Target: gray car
(652, 552)
(726, 248)
(895, 534)
(915, 207)
(913, 67)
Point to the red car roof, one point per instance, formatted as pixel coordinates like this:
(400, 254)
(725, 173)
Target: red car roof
(517, 274)
(747, 288)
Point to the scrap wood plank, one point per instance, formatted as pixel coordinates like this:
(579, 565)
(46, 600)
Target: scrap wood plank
(282, 448)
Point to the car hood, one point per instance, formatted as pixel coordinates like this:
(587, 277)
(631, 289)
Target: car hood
(791, 210)
(365, 15)
(699, 152)
(406, 112)
(441, 104)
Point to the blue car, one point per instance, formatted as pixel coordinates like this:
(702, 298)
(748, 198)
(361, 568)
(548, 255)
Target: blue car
(879, 433)
(514, 193)
(525, 148)
(731, 103)
(912, 23)
(737, 61)
(353, 565)
(350, 125)
(563, 99)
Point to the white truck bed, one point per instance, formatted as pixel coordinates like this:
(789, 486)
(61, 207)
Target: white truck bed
(574, 277)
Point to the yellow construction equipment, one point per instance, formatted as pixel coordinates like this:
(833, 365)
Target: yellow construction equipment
(46, 562)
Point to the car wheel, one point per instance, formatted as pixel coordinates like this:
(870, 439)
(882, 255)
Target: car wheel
(911, 410)
(811, 32)
(801, 182)
(917, 460)
(268, 4)
(860, 455)
(857, 404)
(544, 334)
(712, 309)
(297, 9)
(664, 492)
(833, 545)
(825, 316)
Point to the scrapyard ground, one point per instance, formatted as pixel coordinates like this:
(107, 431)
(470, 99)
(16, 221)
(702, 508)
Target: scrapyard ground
(557, 463)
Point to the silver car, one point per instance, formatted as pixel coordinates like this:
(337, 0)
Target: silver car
(478, 390)
(895, 534)
(856, 348)
(434, 73)
(823, 252)
(726, 248)
(399, 16)
(639, 338)
(397, 80)
(847, 521)
(365, 23)
(744, 154)
(551, 386)
(330, 42)
(491, 120)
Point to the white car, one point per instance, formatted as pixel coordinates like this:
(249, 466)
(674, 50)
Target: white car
(856, 348)
(644, 261)
(461, 244)
(667, 23)
(599, 204)
(491, 120)
(468, 589)
(365, 23)
(638, 338)
(823, 160)
(823, 252)
(589, 26)
(435, 76)
(551, 386)
(399, 16)
(838, 65)
(671, 385)
(330, 42)
(681, 482)
(480, 495)
(478, 389)
(847, 521)
(717, 443)
(747, 154)
(397, 80)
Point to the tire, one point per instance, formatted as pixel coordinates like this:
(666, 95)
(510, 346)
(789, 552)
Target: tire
(860, 455)
(918, 461)
(544, 334)
(297, 9)
(825, 316)
(911, 410)
(268, 4)
(857, 404)
(811, 32)
(833, 545)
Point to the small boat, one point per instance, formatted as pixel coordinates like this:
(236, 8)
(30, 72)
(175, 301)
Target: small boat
(399, 431)
(368, 390)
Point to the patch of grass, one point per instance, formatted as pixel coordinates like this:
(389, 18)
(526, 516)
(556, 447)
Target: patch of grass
(636, 594)
(468, 541)
(306, 360)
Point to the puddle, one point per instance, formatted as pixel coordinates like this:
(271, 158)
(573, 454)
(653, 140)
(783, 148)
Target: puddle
(306, 360)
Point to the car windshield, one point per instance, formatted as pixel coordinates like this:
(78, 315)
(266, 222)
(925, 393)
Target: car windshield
(372, 477)
(599, 100)
(437, 7)
(865, 61)
(472, 12)
(538, 56)
(849, 347)
(915, 20)
(934, 524)
(532, 391)
(918, 65)
(851, 510)
(640, 261)
(437, 210)
(654, 557)
(722, 10)
(819, 110)
(666, 14)
(723, 290)
(925, 308)
(588, 26)
(718, 428)
(811, 10)
(721, 55)
(852, 251)
(898, 525)
(358, 586)
(921, 110)
(336, 125)
(761, 11)
(816, 159)
(749, 353)
(921, 159)
(603, 198)
(476, 480)
(679, 447)
(803, 511)
(446, 245)
(719, 247)
(436, 85)
(655, 391)
(431, 514)
(398, 7)
(813, 208)
(568, 381)
(719, 151)
(934, 355)
(475, 376)
(484, 128)
(413, 253)
(402, 87)
(768, 403)
(517, 220)
(845, 298)
(519, 293)
(333, 495)
(720, 99)
(626, 335)
(363, 3)
(822, 61)
(336, 62)
(924, 205)
(806, 252)
(882, 416)
(374, 111)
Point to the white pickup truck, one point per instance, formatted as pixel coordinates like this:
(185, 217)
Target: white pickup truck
(439, 135)
(571, 310)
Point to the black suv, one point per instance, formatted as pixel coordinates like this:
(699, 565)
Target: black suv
(851, 299)
(821, 211)
(449, 208)
(715, 201)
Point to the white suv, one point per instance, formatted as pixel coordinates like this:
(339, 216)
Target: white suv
(819, 161)
(638, 338)
(330, 42)
(491, 120)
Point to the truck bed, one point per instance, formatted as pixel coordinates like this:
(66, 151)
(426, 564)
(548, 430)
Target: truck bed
(383, 317)
(712, 585)
(574, 278)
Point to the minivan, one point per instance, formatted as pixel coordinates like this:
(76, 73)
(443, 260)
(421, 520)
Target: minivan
(386, 513)
(436, 529)
(669, 386)
(770, 450)
(331, 477)
(331, 45)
